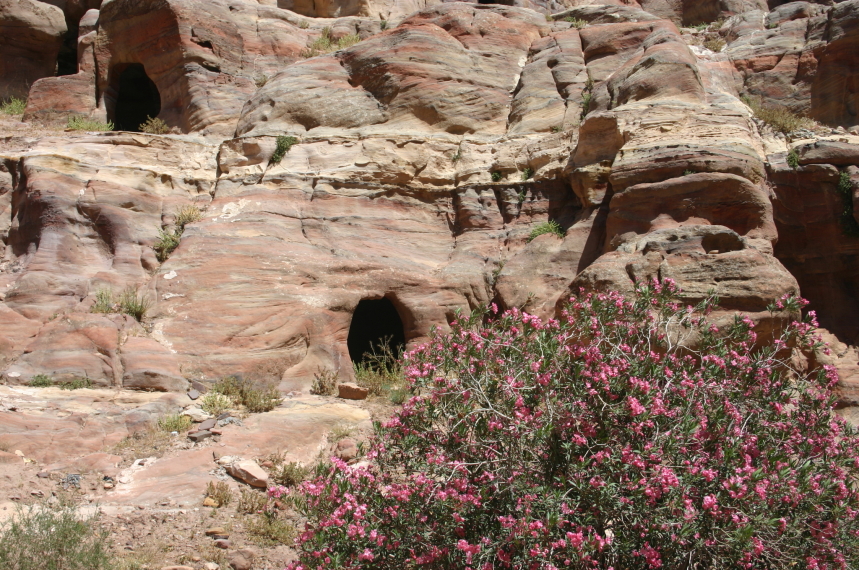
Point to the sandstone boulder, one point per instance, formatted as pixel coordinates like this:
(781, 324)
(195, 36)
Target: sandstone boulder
(248, 472)
(31, 33)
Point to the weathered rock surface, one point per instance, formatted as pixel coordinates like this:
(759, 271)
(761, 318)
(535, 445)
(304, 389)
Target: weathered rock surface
(31, 33)
(423, 157)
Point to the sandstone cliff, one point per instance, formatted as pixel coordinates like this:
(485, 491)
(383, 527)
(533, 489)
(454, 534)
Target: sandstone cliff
(424, 156)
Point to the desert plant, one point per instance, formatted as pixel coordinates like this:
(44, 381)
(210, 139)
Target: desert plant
(168, 240)
(43, 537)
(557, 128)
(577, 23)
(174, 422)
(714, 44)
(290, 474)
(586, 104)
(260, 80)
(255, 397)
(220, 493)
(134, 304)
(457, 156)
(268, 529)
(251, 501)
(154, 126)
(380, 370)
(304, 24)
(793, 159)
(550, 227)
(41, 381)
(282, 146)
(845, 187)
(700, 27)
(324, 383)
(496, 176)
(326, 44)
(215, 403)
(13, 106)
(383, 25)
(601, 439)
(340, 431)
(103, 302)
(75, 384)
(527, 173)
(81, 123)
(780, 119)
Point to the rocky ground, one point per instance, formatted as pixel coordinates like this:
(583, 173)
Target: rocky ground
(96, 448)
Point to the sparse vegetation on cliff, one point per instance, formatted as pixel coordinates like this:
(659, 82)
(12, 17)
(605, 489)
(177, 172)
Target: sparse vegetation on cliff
(282, 145)
(326, 44)
(550, 227)
(129, 302)
(778, 118)
(168, 240)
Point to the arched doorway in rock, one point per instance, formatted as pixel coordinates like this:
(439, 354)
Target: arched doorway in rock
(137, 98)
(374, 322)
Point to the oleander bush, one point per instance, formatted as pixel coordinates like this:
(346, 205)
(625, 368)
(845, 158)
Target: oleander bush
(628, 433)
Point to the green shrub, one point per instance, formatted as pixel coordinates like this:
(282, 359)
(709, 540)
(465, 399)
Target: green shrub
(154, 126)
(168, 240)
(44, 537)
(577, 23)
(527, 174)
(41, 381)
(13, 106)
(557, 128)
(780, 119)
(383, 25)
(282, 146)
(849, 224)
(261, 80)
(700, 27)
(586, 104)
(793, 159)
(174, 422)
(550, 227)
(134, 304)
(81, 123)
(497, 176)
(215, 403)
(75, 384)
(326, 44)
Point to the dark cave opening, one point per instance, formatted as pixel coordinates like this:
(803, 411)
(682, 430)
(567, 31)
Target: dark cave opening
(67, 58)
(137, 99)
(374, 322)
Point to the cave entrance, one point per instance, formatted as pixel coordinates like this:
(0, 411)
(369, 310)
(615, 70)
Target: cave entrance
(137, 99)
(375, 322)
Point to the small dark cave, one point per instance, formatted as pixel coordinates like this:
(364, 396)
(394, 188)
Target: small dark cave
(137, 99)
(67, 58)
(373, 322)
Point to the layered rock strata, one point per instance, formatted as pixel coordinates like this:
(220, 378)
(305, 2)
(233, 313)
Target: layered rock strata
(421, 160)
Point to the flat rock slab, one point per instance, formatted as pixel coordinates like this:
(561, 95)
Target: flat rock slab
(351, 391)
(248, 471)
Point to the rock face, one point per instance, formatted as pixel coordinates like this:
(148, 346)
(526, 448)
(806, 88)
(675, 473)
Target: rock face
(31, 34)
(421, 159)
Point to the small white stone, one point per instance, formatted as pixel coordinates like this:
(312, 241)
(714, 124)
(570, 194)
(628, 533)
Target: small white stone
(171, 275)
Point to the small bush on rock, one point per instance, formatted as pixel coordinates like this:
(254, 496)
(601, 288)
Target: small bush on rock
(324, 383)
(602, 439)
(220, 493)
(75, 384)
(154, 126)
(215, 403)
(550, 227)
(780, 119)
(169, 240)
(256, 398)
(326, 44)
(41, 381)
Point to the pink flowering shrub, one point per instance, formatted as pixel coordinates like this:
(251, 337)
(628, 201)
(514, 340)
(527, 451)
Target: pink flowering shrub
(629, 434)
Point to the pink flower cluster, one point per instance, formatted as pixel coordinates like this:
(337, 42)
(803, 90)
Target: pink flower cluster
(603, 439)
